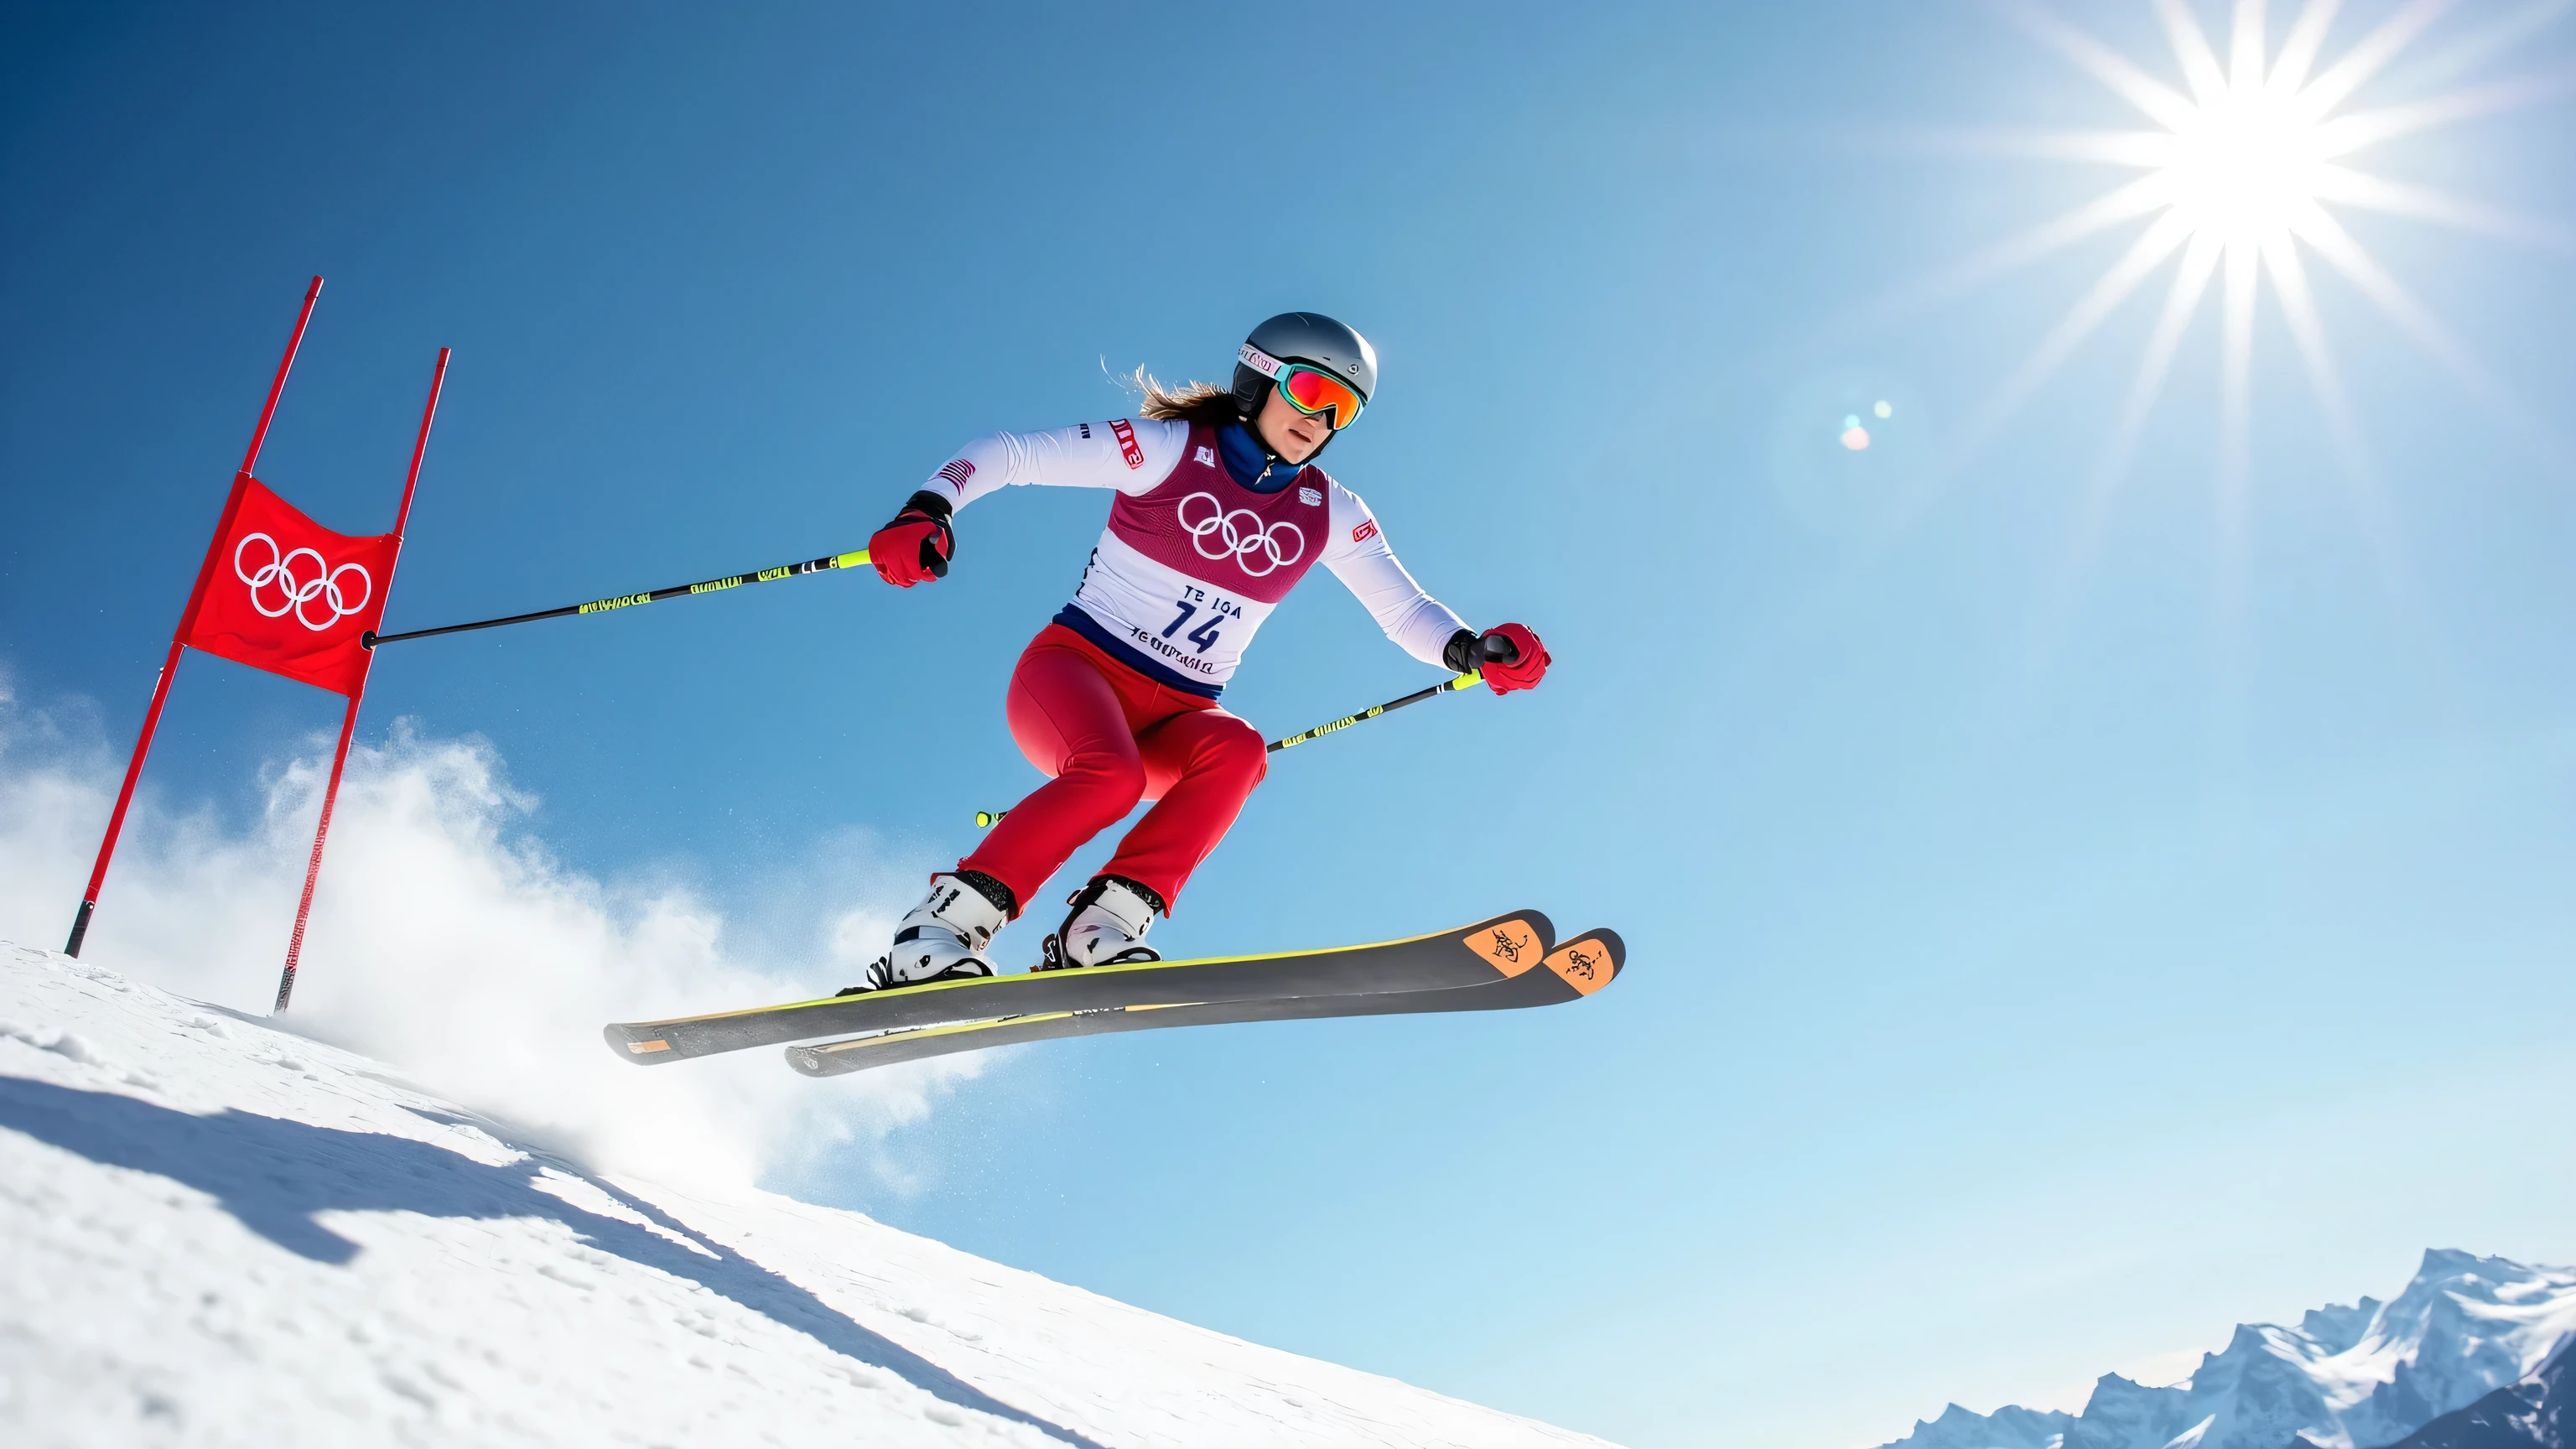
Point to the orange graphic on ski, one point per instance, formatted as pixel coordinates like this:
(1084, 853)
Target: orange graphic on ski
(1584, 965)
(1510, 948)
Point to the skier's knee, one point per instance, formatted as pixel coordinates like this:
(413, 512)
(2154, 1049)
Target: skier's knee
(1116, 782)
(1238, 749)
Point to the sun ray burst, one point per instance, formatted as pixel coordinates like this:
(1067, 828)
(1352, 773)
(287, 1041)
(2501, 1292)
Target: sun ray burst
(2140, 262)
(2245, 156)
(2371, 193)
(2250, 151)
(2182, 302)
(2356, 129)
(2379, 522)
(2162, 103)
(2299, 48)
(2500, 34)
(2368, 57)
(2238, 167)
(2199, 62)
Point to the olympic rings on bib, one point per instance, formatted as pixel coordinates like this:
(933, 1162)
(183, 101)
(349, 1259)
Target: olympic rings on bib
(1241, 541)
(294, 593)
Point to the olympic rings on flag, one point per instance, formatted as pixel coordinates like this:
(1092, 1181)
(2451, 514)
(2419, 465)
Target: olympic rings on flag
(1241, 541)
(293, 594)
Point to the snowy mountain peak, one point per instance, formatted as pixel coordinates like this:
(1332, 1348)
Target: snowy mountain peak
(2339, 1327)
(2352, 1377)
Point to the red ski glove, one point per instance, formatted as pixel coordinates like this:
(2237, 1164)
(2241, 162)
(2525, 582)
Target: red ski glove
(1520, 666)
(917, 545)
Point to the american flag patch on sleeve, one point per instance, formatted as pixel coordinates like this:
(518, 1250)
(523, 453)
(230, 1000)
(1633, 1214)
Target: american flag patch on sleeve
(957, 473)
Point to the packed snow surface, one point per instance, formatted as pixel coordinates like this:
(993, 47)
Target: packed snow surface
(216, 1232)
(2352, 1377)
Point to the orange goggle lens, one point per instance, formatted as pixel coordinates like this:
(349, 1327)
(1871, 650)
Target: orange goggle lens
(1310, 391)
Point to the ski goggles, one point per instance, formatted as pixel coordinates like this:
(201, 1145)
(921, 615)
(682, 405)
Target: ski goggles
(1310, 390)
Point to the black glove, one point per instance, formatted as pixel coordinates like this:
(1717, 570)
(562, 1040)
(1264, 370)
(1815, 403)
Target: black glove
(1468, 649)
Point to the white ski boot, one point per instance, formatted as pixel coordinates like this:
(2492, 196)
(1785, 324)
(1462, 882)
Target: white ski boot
(1106, 928)
(942, 939)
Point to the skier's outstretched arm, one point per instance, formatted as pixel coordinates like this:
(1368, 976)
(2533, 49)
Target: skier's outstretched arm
(1360, 556)
(1130, 457)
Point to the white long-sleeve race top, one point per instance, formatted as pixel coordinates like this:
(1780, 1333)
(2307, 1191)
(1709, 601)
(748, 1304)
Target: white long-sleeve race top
(1191, 561)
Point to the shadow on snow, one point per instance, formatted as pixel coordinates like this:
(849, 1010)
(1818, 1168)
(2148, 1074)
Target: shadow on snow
(274, 1175)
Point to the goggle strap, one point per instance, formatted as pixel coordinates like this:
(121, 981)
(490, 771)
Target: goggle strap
(1260, 361)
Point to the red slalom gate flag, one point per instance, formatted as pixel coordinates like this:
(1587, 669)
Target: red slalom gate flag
(282, 593)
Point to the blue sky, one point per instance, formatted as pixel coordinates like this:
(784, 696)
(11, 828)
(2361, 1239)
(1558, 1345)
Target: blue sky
(2045, 951)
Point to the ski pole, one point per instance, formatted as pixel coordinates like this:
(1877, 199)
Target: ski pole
(621, 601)
(1468, 680)
(1499, 651)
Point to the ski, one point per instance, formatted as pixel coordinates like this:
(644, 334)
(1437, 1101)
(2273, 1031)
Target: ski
(1574, 971)
(1490, 950)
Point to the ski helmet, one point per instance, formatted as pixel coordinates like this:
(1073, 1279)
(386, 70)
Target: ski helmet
(1311, 338)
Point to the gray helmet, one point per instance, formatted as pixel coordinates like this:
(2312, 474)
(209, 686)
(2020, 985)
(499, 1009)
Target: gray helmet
(1312, 338)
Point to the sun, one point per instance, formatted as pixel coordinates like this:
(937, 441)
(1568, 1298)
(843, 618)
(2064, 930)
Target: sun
(2247, 146)
(2241, 174)
(2246, 165)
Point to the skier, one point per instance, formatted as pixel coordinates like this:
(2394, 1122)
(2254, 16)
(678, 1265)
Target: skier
(1220, 511)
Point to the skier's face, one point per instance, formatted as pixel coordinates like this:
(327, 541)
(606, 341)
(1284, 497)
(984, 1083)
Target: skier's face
(1291, 434)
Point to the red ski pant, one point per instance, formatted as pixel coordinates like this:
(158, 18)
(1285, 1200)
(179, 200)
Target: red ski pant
(1111, 737)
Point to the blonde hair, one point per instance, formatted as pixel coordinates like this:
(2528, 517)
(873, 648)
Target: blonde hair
(1189, 402)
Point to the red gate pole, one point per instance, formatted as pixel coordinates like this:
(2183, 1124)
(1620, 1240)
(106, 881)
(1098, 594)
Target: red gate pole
(420, 445)
(259, 435)
(313, 866)
(349, 721)
(170, 666)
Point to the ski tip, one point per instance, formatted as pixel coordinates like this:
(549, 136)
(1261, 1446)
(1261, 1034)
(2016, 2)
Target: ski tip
(804, 1059)
(1540, 923)
(1590, 961)
(1510, 944)
(638, 1042)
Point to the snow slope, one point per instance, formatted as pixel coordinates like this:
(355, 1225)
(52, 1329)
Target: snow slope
(213, 1232)
(2345, 1378)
